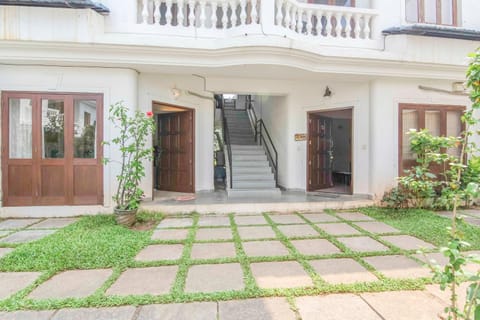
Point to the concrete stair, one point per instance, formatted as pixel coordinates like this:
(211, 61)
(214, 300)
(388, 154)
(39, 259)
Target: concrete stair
(252, 175)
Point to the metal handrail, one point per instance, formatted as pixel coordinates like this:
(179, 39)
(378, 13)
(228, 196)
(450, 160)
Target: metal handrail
(226, 139)
(263, 128)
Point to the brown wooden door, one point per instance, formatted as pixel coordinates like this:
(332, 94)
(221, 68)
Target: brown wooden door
(319, 152)
(175, 171)
(51, 149)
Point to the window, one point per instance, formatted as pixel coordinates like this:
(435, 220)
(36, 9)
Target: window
(442, 12)
(440, 120)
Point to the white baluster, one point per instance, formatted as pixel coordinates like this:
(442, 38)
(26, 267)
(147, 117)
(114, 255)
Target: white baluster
(254, 12)
(293, 22)
(300, 20)
(180, 16)
(224, 15)
(338, 25)
(328, 26)
(243, 12)
(168, 13)
(145, 12)
(214, 14)
(279, 16)
(233, 17)
(318, 28)
(287, 15)
(366, 28)
(191, 15)
(156, 12)
(202, 13)
(356, 25)
(348, 26)
(309, 22)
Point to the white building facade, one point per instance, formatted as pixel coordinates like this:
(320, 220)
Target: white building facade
(389, 65)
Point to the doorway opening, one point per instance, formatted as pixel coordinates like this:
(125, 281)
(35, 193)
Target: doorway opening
(174, 148)
(329, 152)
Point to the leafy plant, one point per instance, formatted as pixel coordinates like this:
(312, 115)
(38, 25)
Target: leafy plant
(131, 140)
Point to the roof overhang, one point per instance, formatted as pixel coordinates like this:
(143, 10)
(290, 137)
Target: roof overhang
(72, 4)
(434, 31)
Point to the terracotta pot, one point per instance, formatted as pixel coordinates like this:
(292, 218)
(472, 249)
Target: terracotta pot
(125, 217)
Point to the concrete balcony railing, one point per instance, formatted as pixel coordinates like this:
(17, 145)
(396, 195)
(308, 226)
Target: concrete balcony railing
(325, 24)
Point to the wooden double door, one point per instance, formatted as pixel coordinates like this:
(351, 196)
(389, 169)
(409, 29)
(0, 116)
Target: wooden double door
(51, 149)
(175, 152)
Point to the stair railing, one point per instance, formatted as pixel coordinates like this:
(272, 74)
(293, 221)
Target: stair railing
(226, 139)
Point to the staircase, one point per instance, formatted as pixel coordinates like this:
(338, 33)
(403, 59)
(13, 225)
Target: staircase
(252, 175)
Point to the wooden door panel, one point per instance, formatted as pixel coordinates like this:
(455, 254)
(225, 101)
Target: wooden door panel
(20, 179)
(52, 181)
(319, 145)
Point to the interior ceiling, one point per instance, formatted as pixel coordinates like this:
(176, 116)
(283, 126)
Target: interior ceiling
(163, 108)
(337, 114)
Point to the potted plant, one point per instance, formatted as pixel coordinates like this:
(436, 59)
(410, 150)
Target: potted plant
(133, 131)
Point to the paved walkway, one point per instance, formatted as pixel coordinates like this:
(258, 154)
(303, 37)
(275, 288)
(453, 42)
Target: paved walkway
(241, 253)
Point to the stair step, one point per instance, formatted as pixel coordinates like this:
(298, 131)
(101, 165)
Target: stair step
(249, 157)
(259, 176)
(248, 152)
(273, 193)
(237, 147)
(251, 170)
(249, 163)
(253, 184)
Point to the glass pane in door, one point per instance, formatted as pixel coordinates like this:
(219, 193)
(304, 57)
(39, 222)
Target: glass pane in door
(85, 126)
(53, 128)
(20, 128)
(432, 122)
(409, 122)
(454, 128)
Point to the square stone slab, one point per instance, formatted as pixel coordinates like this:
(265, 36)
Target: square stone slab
(26, 236)
(341, 271)
(335, 307)
(338, 229)
(157, 252)
(27, 315)
(445, 295)
(71, 284)
(354, 216)
(170, 234)
(17, 223)
(315, 247)
(214, 221)
(53, 223)
(286, 218)
(287, 274)
(376, 227)
(175, 223)
(5, 251)
(398, 267)
(117, 313)
(4, 232)
(214, 234)
(408, 242)
(15, 281)
(298, 230)
(154, 280)
(252, 309)
(213, 250)
(404, 305)
(214, 278)
(251, 233)
(320, 217)
(248, 220)
(179, 311)
(426, 258)
(362, 244)
(265, 249)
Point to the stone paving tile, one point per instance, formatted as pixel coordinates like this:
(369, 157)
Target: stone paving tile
(428, 257)
(213, 250)
(286, 218)
(175, 223)
(264, 248)
(170, 234)
(376, 227)
(287, 274)
(179, 311)
(26, 236)
(71, 284)
(214, 234)
(335, 307)
(53, 223)
(354, 216)
(408, 242)
(444, 295)
(337, 229)
(471, 212)
(17, 223)
(27, 315)
(252, 233)
(153, 280)
(363, 244)
(220, 221)
(5, 251)
(320, 217)
(472, 220)
(256, 309)
(298, 230)
(247, 220)
(117, 313)
(341, 271)
(398, 267)
(157, 252)
(315, 247)
(404, 305)
(214, 277)
(4, 233)
(15, 281)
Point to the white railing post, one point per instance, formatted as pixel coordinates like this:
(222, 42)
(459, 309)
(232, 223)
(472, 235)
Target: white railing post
(338, 25)
(254, 12)
(348, 27)
(357, 28)
(233, 17)
(366, 28)
(168, 13)
(145, 12)
(279, 16)
(224, 15)
(328, 25)
(243, 12)
(309, 22)
(214, 17)
(191, 14)
(156, 12)
(180, 16)
(299, 20)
